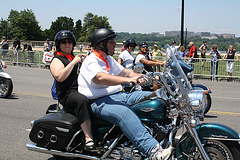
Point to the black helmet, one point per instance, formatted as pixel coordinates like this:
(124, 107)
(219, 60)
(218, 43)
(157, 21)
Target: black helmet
(130, 41)
(143, 43)
(64, 34)
(102, 35)
(173, 42)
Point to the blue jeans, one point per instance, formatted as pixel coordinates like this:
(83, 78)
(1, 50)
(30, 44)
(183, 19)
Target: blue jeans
(213, 63)
(115, 109)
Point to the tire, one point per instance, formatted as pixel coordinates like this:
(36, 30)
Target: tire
(6, 87)
(208, 103)
(65, 158)
(216, 150)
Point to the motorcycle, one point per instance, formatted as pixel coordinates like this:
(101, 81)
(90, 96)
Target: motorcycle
(172, 114)
(6, 85)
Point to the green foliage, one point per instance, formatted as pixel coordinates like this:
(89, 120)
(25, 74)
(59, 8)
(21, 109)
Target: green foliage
(61, 23)
(23, 25)
(152, 39)
(91, 23)
(78, 29)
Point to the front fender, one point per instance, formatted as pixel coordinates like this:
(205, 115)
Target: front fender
(201, 87)
(206, 131)
(5, 75)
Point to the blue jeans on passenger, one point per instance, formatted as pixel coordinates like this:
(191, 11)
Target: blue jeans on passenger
(213, 63)
(115, 109)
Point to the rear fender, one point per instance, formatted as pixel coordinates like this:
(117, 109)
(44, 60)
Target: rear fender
(4, 75)
(206, 131)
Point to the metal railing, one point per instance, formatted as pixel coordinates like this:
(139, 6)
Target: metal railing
(212, 70)
(22, 58)
(215, 70)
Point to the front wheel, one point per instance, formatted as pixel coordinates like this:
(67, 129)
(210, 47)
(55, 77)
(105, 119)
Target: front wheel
(6, 87)
(208, 103)
(216, 150)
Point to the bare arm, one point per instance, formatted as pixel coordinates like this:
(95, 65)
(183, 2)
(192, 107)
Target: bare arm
(150, 63)
(125, 77)
(59, 72)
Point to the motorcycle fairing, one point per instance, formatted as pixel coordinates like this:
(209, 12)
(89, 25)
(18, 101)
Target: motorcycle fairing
(206, 131)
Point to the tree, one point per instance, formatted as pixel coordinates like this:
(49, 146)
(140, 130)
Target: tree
(91, 23)
(4, 28)
(78, 28)
(24, 25)
(62, 23)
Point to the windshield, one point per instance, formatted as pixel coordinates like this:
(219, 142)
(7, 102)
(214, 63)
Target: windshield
(181, 79)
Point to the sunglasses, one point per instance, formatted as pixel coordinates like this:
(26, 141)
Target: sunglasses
(132, 46)
(69, 41)
(144, 46)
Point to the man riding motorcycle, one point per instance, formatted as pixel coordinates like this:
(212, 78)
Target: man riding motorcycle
(100, 81)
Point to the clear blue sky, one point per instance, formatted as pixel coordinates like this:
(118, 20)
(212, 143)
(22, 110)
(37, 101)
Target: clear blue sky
(138, 16)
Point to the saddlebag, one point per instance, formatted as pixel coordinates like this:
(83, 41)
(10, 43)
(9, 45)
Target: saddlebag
(54, 130)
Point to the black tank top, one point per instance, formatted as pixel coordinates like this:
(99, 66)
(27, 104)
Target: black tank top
(70, 83)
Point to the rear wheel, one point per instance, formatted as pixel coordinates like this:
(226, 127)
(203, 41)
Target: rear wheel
(216, 150)
(6, 87)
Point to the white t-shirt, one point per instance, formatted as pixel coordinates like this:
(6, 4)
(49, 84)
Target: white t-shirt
(91, 66)
(127, 59)
(173, 48)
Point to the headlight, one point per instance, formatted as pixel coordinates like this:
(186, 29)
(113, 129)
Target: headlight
(190, 75)
(198, 101)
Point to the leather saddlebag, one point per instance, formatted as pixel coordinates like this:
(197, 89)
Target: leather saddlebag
(54, 130)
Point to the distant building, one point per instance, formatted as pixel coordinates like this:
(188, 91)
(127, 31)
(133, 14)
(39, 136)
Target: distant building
(205, 34)
(225, 35)
(157, 34)
(178, 33)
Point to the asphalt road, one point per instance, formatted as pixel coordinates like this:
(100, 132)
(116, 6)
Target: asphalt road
(31, 97)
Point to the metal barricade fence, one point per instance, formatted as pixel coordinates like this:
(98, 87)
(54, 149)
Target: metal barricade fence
(22, 58)
(215, 70)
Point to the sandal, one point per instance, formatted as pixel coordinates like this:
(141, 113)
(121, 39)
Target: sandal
(89, 146)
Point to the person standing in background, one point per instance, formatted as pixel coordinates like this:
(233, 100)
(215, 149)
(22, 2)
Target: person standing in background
(203, 50)
(17, 47)
(4, 47)
(47, 46)
(229, 56)
(215, 56)
(182, 52)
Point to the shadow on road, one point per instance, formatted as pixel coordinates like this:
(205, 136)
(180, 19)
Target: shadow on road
(210, 116)
(13, 96)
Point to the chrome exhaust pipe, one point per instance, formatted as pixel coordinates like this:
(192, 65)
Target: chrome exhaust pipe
(33, 147)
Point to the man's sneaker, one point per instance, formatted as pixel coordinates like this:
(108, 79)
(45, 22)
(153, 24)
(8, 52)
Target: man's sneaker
(158, 153)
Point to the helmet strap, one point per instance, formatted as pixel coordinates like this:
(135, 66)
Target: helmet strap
(104, 47)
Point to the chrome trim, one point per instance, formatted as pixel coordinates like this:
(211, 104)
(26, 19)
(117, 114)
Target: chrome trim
(74, 136)
(221, 139)
(33, 147)
(62, 129)
(32, 123)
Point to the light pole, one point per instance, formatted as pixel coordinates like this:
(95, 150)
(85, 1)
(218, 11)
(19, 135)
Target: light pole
(182, 23)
